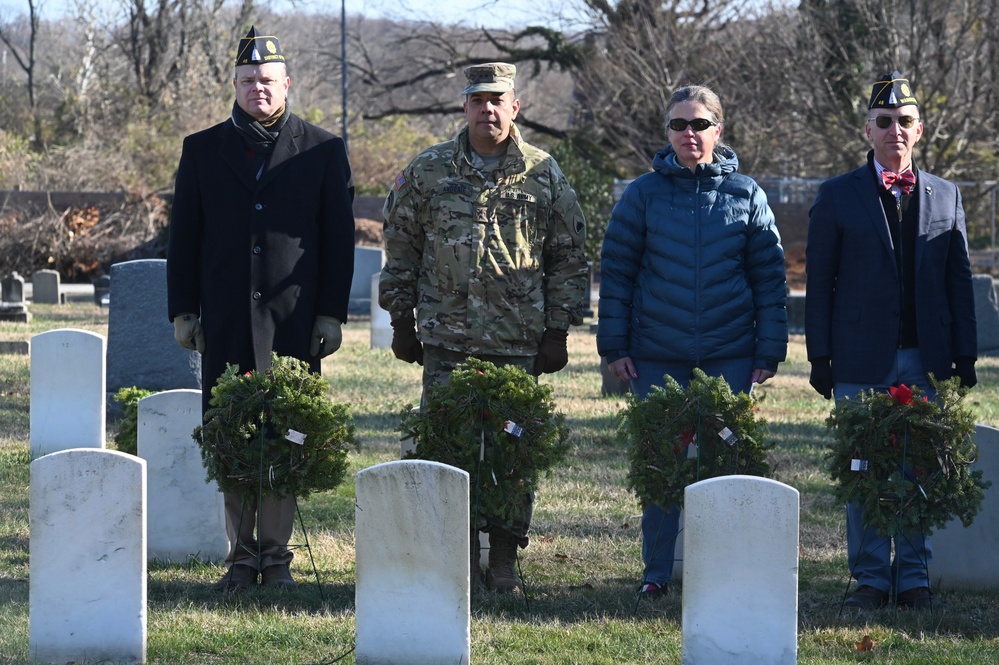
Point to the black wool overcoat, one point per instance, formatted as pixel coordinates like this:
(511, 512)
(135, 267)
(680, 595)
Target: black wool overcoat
(258, 260)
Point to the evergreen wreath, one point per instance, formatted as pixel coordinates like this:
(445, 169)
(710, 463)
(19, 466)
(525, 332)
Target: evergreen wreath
(275, 432)
(906, 459)
(499, 425)
(680, 436)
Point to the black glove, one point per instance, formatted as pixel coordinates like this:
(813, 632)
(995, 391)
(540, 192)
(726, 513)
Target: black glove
(405, 346)
(965, 370)
(821, 377)
(552, 354)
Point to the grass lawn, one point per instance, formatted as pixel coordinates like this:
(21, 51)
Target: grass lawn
(581, 568)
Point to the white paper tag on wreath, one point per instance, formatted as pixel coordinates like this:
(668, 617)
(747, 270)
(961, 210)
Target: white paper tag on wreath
(859, 465)
(728, 436)
(692, 451)
(513, 428)
(295, 437)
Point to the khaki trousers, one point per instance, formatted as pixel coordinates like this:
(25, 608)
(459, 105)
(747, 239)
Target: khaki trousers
(277, 518)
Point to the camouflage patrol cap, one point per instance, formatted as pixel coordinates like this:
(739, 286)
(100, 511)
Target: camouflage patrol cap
(256, 49)
(490, 77)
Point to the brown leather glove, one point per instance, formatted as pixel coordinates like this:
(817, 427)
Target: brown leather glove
(552, 353)
(405, 346)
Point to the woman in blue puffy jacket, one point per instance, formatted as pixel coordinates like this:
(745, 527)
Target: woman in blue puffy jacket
(691, 275)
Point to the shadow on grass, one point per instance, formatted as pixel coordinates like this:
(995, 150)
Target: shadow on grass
(172, 585)
(613, 598)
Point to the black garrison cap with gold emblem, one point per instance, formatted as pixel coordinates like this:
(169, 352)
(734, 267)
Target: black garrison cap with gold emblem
(490, 77)
(255, 49)
(891, 91)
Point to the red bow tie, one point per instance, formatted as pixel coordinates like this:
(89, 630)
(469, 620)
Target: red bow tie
(905, 180)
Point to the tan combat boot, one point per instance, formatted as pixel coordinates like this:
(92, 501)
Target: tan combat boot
(502, 576)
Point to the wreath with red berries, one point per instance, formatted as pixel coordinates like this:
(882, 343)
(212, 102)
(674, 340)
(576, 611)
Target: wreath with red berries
(679, 436)
(907, 459)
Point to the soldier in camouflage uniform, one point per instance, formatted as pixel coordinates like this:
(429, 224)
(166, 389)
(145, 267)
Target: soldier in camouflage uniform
(484, 240)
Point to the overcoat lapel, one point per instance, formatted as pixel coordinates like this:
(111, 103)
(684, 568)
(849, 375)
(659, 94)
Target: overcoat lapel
(285, 148)
(234, 155)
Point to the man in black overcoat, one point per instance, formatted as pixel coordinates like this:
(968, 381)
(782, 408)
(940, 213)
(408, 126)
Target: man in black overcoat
(260, 259)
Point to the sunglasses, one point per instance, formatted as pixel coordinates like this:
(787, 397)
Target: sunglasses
(904, 121)
(698, 124)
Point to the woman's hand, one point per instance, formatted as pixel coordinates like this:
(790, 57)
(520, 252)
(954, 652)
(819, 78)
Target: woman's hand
(623, 369)
(761, 375)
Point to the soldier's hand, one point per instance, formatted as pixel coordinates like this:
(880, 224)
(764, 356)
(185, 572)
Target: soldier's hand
(326, 336)
(553, 353)
(821, 377)
(188, 332)
(405, 345)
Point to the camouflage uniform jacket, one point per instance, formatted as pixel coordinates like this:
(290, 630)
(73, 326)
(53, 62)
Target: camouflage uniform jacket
(488, 265)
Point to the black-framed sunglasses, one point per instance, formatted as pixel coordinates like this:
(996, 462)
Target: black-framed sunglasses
(904, 121)
(698, 124)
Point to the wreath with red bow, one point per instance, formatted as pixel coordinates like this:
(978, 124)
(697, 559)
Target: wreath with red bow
(907, 459)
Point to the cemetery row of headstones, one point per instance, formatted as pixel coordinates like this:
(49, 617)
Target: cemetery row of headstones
(89, 601)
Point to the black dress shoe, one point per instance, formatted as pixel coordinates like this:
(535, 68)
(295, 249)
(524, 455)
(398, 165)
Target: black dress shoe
(239, 576)
(920, 598)
(867, 598)
(278, 575)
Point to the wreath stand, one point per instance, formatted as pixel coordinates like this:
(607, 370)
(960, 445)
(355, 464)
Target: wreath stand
(298, 512)
(474, 536)
(894, 492)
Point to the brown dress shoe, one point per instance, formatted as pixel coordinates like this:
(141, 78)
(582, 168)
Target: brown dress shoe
(239, 576)
(920, 598)
(278, 575)
(867, 598)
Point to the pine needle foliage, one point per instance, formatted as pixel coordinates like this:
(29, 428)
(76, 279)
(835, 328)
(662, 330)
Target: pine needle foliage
(499, 425)
(245, 444)
(679, 436)
(906, 459)
(126, 431)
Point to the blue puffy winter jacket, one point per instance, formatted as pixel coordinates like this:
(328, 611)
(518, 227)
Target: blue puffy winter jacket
(692, 268)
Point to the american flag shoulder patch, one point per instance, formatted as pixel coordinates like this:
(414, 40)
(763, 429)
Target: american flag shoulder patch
(400, 180)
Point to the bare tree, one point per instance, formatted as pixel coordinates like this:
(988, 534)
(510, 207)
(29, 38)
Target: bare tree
(26, 60)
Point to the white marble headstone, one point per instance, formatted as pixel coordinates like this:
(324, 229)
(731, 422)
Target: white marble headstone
(87, 597)
(412, 547)
(740, 573)
(186, 515)
(967, 558)
(67, 391)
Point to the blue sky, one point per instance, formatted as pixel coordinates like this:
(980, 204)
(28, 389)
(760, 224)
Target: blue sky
(474, 13)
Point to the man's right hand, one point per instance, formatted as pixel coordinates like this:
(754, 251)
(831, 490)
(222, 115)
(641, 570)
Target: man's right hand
(405, 346)
(188, 332)
(821, 376)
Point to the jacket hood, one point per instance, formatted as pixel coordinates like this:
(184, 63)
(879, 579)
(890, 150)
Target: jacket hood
(725, 162)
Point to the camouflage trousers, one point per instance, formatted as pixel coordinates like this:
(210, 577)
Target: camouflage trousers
(438, 364)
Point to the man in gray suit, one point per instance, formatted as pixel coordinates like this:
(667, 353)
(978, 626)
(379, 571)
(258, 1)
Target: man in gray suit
(889, 301)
